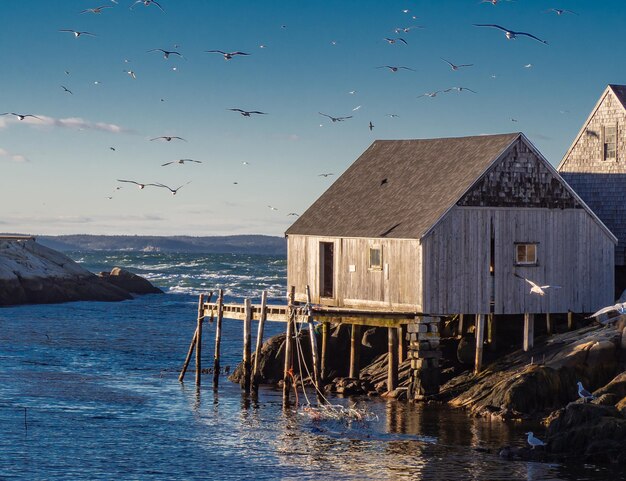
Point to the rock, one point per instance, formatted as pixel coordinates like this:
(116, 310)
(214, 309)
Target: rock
(466, 351)
(621, 407)
(33, 274)
(130, 282)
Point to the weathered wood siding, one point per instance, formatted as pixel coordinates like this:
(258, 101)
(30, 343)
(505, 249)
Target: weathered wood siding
(396, 285)
(574, 252)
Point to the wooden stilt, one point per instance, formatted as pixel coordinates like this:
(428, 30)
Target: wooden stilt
(402, 344)
(549, 326)
(491, 331)
(192, 346)
(199, 340)
(247, 339)
(314, 353)
(355, 351)
(259, 341)
(570, 320)
(480, 337)
(529, 331)
(392, 353)
(218, 339)
(324, 354)
(460, 326)
(288, 345)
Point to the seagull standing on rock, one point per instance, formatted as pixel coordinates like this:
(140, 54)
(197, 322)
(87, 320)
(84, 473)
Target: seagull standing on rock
(583, 393)
(534, 441)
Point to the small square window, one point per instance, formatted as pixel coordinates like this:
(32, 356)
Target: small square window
(609, 147)
(376, 258)
(526, 254)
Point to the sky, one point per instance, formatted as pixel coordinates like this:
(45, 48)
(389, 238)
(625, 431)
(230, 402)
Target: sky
(59, 172)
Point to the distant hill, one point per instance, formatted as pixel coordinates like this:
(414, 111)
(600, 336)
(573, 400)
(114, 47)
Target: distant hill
(236, 244)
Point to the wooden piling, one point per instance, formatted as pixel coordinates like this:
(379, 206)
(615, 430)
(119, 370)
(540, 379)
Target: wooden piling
(459, 331)
(480, 337)
(288, 345)
(570, 321)
(192, 346)
(549, 326)
(392, 353)
(491, 331)
(529, 331)
(218, 339)
(247, 340)
(199, 340)
(402, 343)
(259, 341)
(324, 354)
(314, 355)
(355, 351)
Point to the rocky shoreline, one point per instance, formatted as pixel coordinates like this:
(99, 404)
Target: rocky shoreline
(33, 274)
(535, 387)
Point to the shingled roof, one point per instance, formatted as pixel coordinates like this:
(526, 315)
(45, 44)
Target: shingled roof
(620, 93)
(401, 188)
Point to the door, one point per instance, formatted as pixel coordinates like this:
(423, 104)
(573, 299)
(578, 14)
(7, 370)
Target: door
(327, 269)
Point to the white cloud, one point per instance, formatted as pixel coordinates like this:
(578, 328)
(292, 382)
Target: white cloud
(76, 123)
(13, 157)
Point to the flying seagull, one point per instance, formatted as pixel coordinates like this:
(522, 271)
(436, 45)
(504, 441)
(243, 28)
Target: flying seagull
(394, 68)
(456, 67)
(583, 393)
(76, 32)
(533, 441)
(391, 41)
(97, 9)
(166, 53)
(393, 116)
(147, 3)
(21, 116)
(131, 73)
(406, 29)
(168, 138)
(371, 126)
(560, 11)
(293, 213)
(336, 119)
(326, 174)
(246, 113)
(430, 94)
(181, 161)
(620, 308)
(173, 191)
(272, 208)
(460, 89)
(535, 288)
(65, 89)
(510, 34)
(227, 55)
(138, 184)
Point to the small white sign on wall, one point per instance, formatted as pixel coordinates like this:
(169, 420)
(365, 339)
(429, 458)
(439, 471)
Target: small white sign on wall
(351, 268)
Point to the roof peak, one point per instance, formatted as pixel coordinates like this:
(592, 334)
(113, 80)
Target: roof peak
(464, 137)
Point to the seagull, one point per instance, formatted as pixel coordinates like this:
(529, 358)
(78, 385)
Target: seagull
(371, 126)
(76, 32)
(293, 213)
(66, 89)
(21, 116)
(168, 138)
(533, 441)
(335, 119)
(173, 191)
(535, 288)
(166, 53)
(391, 41)
(560, 11)
(112, 148)
(356, 108)
(583, 393)
(325, 174)
(393, 116)
(227, 55)
(430, 94)
(456, 67)
(395, 69)
(460, 89)
(620, 307)
(384, 181)
(147, 3)
(181, 161)
(510, 34)
(272, 208)
(406, 29)
(245, 162)
(139, 184)
(246, 113)
(131, 73)
(528, 65)
(97, 9)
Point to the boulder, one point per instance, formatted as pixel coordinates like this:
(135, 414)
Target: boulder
(129, 282)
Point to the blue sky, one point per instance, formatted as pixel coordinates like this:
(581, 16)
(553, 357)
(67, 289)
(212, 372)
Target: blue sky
(58, 172)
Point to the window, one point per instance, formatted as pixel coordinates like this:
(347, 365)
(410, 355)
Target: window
(609, 143)
(526, 254)
(376, 259)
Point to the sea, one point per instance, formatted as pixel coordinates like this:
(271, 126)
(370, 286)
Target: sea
(90, 391)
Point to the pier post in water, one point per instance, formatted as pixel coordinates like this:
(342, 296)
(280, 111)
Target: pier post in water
(459, 331)
(199, 340)
(288, 345)
(491, 331)
(480, 338)
(392, 357)
(570, 321)
(314, 353)
(549, 327)
(324, 354)
(247, 323)
(402, 344)
(218, 339)
(529, 331)
(355, 351)
(259, 341)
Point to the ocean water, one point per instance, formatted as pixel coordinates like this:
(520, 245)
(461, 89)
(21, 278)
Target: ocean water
(89, 391)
